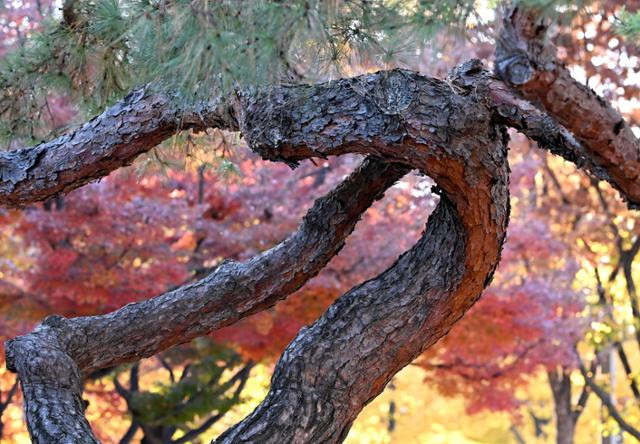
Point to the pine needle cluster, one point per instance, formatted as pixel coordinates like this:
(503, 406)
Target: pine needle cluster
(98, 50)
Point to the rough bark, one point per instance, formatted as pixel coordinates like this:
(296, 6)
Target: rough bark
(60, 351)
(405, 118)
(526, 60)
(453, 131)
(316, 392)
(107, 142)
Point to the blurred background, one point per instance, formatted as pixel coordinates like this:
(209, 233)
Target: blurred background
(551, 352)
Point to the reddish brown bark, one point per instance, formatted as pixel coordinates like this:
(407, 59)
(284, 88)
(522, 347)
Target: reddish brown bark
(398, 115)
(526, 60)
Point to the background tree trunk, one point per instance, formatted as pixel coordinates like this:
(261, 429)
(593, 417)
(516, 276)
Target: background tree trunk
(560, 382)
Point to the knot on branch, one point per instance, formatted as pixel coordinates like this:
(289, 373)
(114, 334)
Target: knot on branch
(468, 74)
(55, 321)
(515, 69)
(394, 91)
(42, 360)
(522, 49)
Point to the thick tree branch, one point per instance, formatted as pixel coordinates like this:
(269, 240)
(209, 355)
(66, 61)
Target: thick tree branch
(107, 142)
(81, 345)
(539, 126)
(333, 368)
(526, 60)
(397, 115)
(451, 131)
(232, 291)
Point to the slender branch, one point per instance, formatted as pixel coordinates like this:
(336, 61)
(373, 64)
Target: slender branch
(584, 395)
(604, 301)
(133, 384)
(628, 371)
(126, 395)
(606, 401)
(517, 435)
(185, 372)
(193, 399)
(134, 377)
(131, 432)
(581, 403)
(4, 404)
(556, 183)
(12, 391)
(168, 368)
(605, 206)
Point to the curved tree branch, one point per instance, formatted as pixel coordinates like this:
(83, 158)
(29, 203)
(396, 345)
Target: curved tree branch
(107, 142)
(398, 115)
(231, 292)
(606, 401)
(51, 360)
(451, 131)
(336, 366)
(526, 60)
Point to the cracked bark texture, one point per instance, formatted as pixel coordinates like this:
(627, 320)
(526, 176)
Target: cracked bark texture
(411, 122)
(335, 367)
(105, 143)
(526, 60)
(451, 130)
(52, 360)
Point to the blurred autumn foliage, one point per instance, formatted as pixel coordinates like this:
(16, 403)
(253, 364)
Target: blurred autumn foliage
(563, 298)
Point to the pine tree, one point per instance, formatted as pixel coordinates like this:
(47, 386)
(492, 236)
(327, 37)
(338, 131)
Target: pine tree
(157, 68)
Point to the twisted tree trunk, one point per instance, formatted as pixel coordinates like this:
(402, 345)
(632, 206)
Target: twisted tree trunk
(453, 131)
